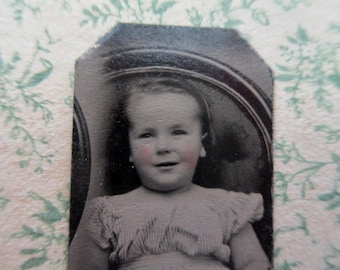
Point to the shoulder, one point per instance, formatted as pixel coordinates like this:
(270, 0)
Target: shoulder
(242, 205)
(211, 192)
(218, 194)
(112, 202)
(232, 196)
(237, 208)
(247, 205)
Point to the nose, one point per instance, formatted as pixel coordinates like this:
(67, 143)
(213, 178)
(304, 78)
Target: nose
(163, 145)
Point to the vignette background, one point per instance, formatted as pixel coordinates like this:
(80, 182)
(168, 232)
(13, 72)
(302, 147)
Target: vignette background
(39, 43)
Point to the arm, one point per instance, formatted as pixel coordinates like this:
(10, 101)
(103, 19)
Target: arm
(246, 251)
(86, 251)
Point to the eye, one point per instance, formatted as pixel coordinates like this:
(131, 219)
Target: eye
(145, 135)
(179, 132)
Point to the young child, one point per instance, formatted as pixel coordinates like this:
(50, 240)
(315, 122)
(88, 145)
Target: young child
(168, 222)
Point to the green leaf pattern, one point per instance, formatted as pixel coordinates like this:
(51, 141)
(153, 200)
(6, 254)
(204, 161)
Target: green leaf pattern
(299, 39)
(309, 62)
(120, 10)
(45, 232)
(16, 96)
(3, 200)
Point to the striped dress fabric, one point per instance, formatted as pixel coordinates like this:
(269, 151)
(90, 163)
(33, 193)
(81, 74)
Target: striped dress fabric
(201, 228)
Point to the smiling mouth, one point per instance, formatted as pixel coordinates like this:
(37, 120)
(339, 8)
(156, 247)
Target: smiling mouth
(166, 164)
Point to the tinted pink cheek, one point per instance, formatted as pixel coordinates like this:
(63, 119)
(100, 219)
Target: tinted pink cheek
(145, 154)
(191, 159)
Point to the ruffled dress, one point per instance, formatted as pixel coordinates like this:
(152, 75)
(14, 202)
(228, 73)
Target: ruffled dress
(149, 235)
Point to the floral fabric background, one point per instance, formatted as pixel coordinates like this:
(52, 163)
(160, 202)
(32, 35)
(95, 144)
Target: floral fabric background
(39, 43)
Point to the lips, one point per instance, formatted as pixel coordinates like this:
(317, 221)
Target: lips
(166, 164)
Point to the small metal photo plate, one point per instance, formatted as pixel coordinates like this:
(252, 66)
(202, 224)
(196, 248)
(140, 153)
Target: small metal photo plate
(235, 87)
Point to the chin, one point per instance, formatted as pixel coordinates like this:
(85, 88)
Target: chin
(165, 188)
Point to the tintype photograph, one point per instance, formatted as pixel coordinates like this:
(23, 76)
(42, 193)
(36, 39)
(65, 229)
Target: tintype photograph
(172, 161)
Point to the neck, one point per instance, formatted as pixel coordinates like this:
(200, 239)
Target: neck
(171, 194)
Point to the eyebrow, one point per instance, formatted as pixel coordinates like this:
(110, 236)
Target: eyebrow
(177, 126)
(142, 130)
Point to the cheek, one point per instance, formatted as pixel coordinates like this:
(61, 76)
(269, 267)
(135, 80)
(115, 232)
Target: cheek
(191, 158)
(144, 154)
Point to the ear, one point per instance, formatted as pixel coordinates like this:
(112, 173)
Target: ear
(130, 158)
(203, 153)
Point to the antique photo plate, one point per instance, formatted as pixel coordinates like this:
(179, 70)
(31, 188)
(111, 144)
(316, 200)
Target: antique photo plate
(227, 72)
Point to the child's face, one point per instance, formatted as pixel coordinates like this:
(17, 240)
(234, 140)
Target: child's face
(165, 139)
